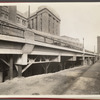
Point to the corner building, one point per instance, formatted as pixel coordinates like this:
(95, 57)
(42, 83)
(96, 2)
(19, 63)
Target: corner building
(45, 20)
(98, 45)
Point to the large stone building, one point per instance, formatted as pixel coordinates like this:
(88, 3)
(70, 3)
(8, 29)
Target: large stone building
(11, 13)
(45, 20)
(98, 45)
(8, 13)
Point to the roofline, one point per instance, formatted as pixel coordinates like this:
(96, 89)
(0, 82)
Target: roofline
(21, 15)
(48, 10)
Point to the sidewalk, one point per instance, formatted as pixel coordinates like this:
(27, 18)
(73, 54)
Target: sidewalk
(88, 83)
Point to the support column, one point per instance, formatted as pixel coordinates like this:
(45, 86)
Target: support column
(19, 70)
(11, 67)
(61, 65)
(83, 62)
(96, 58)
(93, 60)
(89, 61)
(45, 67)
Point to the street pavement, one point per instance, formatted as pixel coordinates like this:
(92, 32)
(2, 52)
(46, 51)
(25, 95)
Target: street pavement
(88, 83)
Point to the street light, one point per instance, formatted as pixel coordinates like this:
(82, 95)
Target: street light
(83, 43)
(94, 49)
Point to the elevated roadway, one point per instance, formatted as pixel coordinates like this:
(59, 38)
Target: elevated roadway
(21, 46)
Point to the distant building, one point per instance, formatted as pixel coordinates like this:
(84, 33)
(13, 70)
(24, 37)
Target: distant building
(21, 19)
(45, 20)
(98, 45)
(73, 41)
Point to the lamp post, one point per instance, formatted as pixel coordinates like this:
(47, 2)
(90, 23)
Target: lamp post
(94, 49)
(83, 43)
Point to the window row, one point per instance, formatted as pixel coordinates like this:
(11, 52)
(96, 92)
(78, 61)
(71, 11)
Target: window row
(4, 15)
(5, 8)
(21, 21)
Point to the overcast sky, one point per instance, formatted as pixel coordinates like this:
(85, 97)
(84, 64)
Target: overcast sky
(78, 20)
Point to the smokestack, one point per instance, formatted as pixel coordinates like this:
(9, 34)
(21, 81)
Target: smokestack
(29, 16)
(12, 13)
(28, 11)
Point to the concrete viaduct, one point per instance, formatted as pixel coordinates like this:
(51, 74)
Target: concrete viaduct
(24, 47)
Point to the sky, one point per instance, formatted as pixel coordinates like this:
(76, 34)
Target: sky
(78, 20)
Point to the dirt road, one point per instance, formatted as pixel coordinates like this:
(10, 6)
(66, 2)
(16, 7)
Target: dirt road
(78, 80)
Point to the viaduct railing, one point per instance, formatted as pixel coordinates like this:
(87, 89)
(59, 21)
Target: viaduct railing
(12, 29)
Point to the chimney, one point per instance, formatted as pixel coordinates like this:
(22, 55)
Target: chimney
(12, 13)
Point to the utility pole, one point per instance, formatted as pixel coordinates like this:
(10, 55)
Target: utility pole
(94, 49)
(83, 46)
(83, 52)
(83, 43)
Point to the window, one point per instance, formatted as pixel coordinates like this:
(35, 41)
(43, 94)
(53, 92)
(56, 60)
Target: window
(33, 23)
(18, 20)
(6, 16)
(2, 14)
(41, 22)
(53, 24)
(5, 8)
(49, 23)
(23, 22)
(57, 27)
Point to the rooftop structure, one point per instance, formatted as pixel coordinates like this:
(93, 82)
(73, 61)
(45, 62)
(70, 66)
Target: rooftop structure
(46, 20)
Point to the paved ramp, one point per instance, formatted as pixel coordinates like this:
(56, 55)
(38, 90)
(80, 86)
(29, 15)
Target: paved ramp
(88, 83)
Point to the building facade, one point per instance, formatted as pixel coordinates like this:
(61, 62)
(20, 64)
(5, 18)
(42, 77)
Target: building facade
(8, 13)
(73, 41)
(98, 45)
(11, 13)
(45, 20)
(21, 19)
